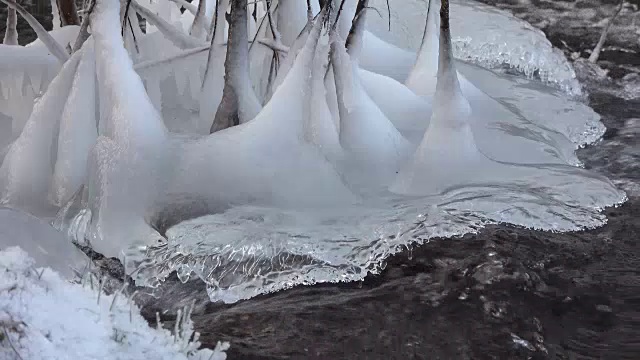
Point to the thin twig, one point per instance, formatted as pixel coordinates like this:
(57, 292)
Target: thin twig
(595, 54)
(6, 334)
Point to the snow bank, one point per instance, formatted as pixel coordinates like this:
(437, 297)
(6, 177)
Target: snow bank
(46, 245)
(45, 317)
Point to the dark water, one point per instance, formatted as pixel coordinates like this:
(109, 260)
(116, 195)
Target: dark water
(506, 293)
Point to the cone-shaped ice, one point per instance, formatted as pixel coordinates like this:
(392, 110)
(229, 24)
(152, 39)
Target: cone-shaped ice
(239, 103)
(492, 120)
(127, 115)
(124, 175)
(448, 155)
(422, 79)
(355, 38)
(25, 183)
(269, 159)
(321, 129)
(213, 85)
(369, 138)
(290, 58)
(78, 130)
(383, 58)
(292, 18)
(346, 10)
(406, 110)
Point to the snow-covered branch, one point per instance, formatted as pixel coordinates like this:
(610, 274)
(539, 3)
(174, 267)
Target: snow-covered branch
(52, 45)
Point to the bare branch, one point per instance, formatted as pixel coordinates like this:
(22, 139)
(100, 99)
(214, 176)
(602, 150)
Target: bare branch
(595, 54)
(52, 45)
(187, 5)
(179, 39)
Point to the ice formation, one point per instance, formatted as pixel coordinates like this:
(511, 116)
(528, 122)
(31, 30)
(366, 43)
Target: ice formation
(331, 155)
(44, 316)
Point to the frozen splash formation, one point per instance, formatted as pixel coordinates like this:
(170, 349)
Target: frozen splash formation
(45, 316)
(258, 146)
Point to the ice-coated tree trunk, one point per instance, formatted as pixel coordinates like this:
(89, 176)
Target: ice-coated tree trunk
(55, 14)
(68, 12)
(238, 102)
(11, 33)
(198, 27)
(83, 34)
(356, 33)
(447, 75)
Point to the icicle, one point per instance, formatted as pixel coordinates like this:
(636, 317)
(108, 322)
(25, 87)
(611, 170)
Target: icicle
(25, 183)
(11, 34)
(422, 79)
(239, 103)
(78, 131)
(52, 45)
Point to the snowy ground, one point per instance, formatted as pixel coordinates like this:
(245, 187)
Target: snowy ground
(43, 316)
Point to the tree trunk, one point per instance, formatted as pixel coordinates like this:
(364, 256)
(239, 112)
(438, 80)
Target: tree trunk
(68, 12)
(11, 34)
(238, 102)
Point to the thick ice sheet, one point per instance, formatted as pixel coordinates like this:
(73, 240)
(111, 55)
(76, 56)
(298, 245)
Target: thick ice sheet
(481, 34)
(246, 250)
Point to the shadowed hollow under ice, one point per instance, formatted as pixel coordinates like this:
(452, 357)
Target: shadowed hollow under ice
(355, 153)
